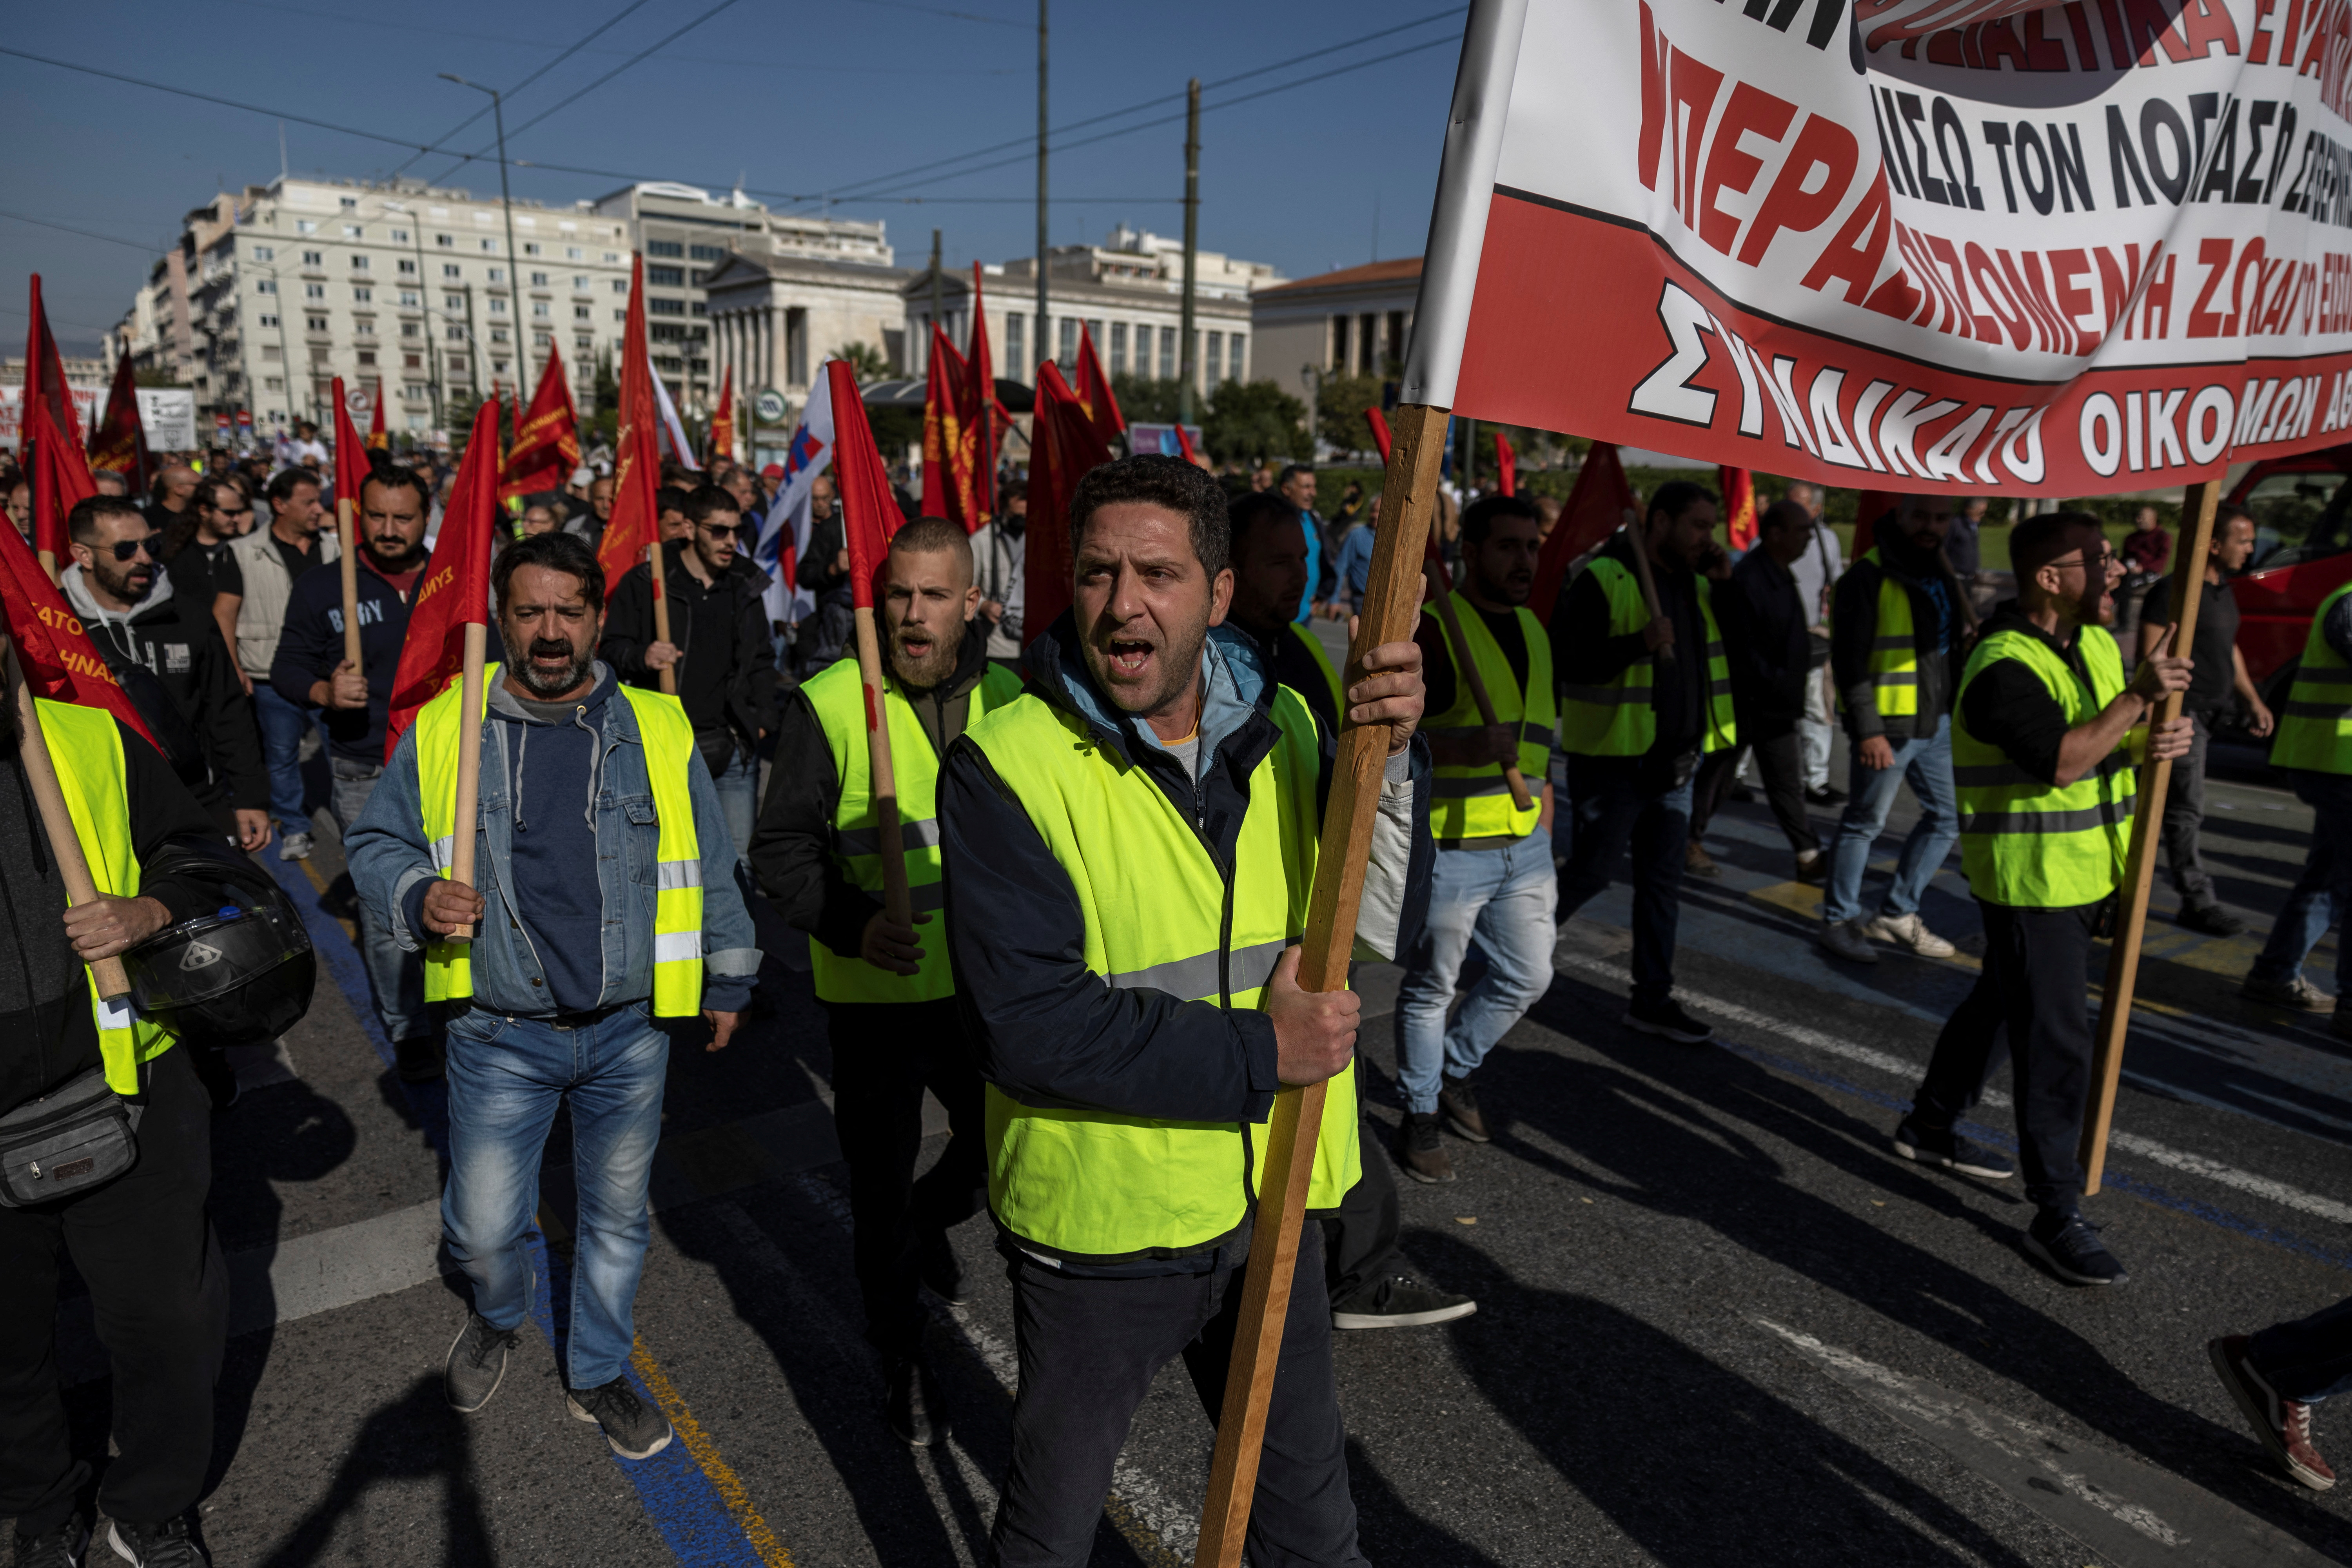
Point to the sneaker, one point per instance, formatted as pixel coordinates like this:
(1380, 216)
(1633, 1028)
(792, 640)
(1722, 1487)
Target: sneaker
(1845, 939)
(294, 847)
(1952, 1150)
(164, 1545)
(1828, 795)
(1813, 869)
(1458, 1104)
(913, 1408)
(477, 1364)
(60, 1548)
(1420, 1152)
(939, 1267)
(1399, 1303)
(636, 1429)
(2211, 919)
(2284, 1426)
(1911, 931)
(2297, 993)
(1667, 1018)
(419, 1060)
(1697, 862)
(2070, 1244)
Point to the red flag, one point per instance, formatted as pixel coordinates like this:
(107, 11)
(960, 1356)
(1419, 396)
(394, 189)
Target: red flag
(455, 592)
(1601, 503)
(636, 465)
(546, 451)
(351, 465)
(722, 421)
(951, 437)
(1094, 392)
(1380, 424)
(61, 481)
(1506, 467)
(869, 512)
(1184, 445)
(378, 438)
(120, 442)
(995, 418)
(53, 649)
(1064, 445)
(1738, 506)
(45, 378)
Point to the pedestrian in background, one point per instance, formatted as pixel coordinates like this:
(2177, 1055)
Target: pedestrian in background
(1000, 553)
(2220, 681)
(1896, 630)
(203, 572)
(1817, 570)
(268, 562)
(1962, 544)
(1297, 486)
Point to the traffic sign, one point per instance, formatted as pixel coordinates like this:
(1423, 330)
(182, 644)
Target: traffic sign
(768, 405)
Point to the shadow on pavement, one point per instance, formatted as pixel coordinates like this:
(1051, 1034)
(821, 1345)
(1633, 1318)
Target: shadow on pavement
(418, 1437)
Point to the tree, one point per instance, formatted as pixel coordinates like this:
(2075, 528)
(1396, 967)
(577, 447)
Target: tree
(1340, 411)
(1152, 399)
(868, 363)
(1248, 420)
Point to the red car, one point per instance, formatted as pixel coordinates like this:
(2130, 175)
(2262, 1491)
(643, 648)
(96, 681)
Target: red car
(2302, 553)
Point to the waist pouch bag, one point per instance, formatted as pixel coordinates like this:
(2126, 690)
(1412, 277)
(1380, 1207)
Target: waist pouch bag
(717, 749)
(81, 1137)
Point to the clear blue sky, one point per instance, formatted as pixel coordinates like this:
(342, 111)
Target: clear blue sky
(791, 97)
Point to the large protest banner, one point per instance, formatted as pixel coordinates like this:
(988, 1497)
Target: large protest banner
(2045, 248)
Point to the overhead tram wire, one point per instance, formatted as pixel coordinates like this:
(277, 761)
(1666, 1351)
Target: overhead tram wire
(1028, 141)
(619, 16)
(85, 233)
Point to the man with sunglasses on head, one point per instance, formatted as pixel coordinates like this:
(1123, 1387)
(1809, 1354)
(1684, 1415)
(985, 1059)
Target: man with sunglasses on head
(2046, 734)
(135, 615)
(719, 644)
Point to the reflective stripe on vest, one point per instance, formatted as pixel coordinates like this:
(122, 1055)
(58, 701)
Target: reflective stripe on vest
(837, 697)
(1619, 719)
(2028, 843)
(2314, 727)
(86, 747)
(1159, 918)
(1475, 803)
(669, 739)
(1894, 650)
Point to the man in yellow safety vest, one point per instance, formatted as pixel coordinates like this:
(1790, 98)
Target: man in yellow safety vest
(2043, 750)
(604, 912)
(888, 994)
(2315, 746)
(1130, 848)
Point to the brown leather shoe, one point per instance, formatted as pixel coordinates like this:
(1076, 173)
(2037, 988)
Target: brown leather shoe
(1421, 1152)
(1457, 1102)
(1697, 862)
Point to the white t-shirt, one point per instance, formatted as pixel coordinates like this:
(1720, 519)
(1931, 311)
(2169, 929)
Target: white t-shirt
(1822, 564)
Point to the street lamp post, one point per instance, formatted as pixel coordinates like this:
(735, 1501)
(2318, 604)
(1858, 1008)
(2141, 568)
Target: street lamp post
(505, 205)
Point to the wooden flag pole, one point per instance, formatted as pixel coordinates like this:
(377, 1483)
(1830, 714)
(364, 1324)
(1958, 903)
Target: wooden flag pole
(347, 542)
(1391, 605)
(895, 902)
(107, 976)
(469, 764)
(661, 610)
(1467, 667)
(2148, 824)
(1640, 529)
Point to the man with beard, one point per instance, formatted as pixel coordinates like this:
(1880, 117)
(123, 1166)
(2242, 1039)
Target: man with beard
(354, 705)
(2044, 747)
(1000, 553)
(1362, 1270)
(718, 645)
(1494, 880)
(203, 571)
(135, 615)
(1642, 699)
(269, 562)
(1131, 845)
(142, 1242)
(596, 927)
(886, 989)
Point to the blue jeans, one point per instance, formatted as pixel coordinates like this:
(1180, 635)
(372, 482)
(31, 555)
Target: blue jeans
(282, 723)
(1614, 801)
(739, 797)
(395, 974)
(1504, 897)
(1927, 765)
(2324, 895)
(507, 1075)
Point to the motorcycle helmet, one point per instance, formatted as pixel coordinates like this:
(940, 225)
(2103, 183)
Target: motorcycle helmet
(241, 974)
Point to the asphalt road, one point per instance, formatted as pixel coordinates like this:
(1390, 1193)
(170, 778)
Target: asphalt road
(1718, 1321)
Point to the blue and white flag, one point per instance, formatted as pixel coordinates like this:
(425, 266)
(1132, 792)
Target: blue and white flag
(788, 516)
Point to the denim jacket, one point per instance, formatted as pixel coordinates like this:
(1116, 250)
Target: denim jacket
(388, 856)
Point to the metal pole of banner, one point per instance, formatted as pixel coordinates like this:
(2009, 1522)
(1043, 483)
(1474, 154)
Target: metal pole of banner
(1188, 359)
(1044, 351)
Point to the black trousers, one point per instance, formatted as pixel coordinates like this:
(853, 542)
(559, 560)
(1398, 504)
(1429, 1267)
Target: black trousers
(885, 1053)
(1089, 1350)
(159, 1292)
(2310, 1359)
(2036, 984)
(1780, 760)
(1359, 1237)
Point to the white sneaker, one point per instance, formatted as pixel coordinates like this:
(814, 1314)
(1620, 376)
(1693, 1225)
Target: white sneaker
(1911, 931)
(294, 847)
(1845, 940)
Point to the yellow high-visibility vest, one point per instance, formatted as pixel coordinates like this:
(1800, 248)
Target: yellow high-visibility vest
(1615, 719)
(2314, 728)
(1475, 802)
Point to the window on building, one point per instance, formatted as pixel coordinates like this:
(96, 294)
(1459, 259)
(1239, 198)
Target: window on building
(573, 253)
(498, 307)
(1234, 357)
(269, 321)
(580, 314)
(619, 285)
(497, 274)
(580, 281)
(400, 237)
(407, 267)
(351, 203)
(353, 231)
(489, 247)
(455, 334)
(530, 247)
(366, 357)
(612, 258)
(663, 248)
(363, 296)
(497, 334)
(707, 253)
(266, 286)
(585, 344)
(264, 253)
(408, 328)
(412, 362)
(620, 315)
(1216, 354)
(359, 264)
(498, 367)
(701, 307)
(1335, 354)
(314, 290)
(274, 383)
(660, 307)
(408, 297)
(666, 277)
(457, 363)
(314, 259)
(539, 279)
(541, 340)
(363, 327)
(539, 308)
(453, 301)
(451, 270)
(1066, 349)
(304, 225)
(316, 323)
(1167, 354)
(1118, 348)
(270, 354)
(444, 241)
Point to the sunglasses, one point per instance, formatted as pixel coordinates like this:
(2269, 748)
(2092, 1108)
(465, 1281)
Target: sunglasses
(129, 549)
(725, 530)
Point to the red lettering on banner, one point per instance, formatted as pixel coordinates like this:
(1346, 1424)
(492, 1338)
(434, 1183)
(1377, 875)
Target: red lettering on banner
(2112, 289)
(1729, 167)
(2157, 300)
(1988, 283)
(2074, 302)
(2213, 255)
(1655, 50)
(1691, 90)
(2042, 54)
(1824, 145)
(2258, 48)
(1859, 250)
